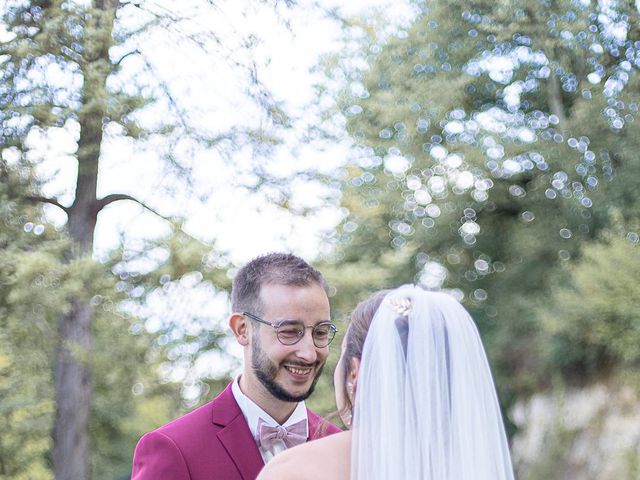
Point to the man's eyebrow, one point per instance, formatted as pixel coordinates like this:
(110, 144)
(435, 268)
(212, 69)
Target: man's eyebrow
(291, 320)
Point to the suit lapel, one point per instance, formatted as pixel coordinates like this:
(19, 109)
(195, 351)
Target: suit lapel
(242, 448)
(319, 427)
(235, 435)
(315, 426)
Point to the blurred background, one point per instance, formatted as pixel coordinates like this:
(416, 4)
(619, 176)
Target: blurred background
(148, 148)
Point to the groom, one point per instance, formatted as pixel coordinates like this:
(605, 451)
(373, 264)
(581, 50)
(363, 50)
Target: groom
(281, 319)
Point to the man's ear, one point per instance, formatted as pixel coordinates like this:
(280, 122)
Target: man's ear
(239, 325)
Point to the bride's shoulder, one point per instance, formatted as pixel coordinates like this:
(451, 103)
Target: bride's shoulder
(308, 460)
(279, 468)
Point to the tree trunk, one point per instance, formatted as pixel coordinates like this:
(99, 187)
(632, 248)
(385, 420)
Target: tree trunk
(72, 377)
(73, 391)
(554, 92)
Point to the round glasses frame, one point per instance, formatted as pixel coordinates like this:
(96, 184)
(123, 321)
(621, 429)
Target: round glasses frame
(324, 341)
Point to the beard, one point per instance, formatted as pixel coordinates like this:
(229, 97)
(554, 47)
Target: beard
(266, 371)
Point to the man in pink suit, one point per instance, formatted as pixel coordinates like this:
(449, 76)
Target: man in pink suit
(281, 319)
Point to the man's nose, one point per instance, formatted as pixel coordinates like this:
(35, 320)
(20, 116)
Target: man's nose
(306, 348)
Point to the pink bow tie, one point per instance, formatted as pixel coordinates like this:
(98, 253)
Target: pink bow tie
(291, 436)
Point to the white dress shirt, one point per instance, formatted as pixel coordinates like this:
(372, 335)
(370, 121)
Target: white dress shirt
(253, 412)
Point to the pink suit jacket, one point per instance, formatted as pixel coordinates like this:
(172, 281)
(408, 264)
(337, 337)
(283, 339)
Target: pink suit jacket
(212, 442)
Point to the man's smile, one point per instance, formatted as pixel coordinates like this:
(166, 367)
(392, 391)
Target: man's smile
(298, 370)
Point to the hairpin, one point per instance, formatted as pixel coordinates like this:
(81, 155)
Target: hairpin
(401, 305)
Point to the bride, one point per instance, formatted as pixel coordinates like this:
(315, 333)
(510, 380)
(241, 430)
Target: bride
(414, 387)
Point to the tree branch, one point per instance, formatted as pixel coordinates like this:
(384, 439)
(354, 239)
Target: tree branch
(52, 201)
(116, 197)
(128, 54)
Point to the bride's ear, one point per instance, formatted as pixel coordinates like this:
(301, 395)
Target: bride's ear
(352, 377)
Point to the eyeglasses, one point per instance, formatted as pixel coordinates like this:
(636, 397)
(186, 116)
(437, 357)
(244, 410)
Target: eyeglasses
(290, 332)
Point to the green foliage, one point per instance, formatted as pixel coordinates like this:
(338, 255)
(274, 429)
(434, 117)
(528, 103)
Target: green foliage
(495, 140)
(592, 321)
(121, 367)
(74, 68)
(36, 285)
(47, 37)
(28, 306)
(323, 399)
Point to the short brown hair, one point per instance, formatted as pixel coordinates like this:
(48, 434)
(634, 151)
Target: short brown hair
(274, 269)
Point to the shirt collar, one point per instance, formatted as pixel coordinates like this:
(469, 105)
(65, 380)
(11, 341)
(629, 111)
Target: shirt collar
(253, 412)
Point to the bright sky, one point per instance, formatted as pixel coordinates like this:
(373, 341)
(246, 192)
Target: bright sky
(242, 224)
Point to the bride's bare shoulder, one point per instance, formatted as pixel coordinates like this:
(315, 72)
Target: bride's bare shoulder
(309, 461)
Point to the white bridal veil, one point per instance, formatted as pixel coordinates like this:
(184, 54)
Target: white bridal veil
(426, 407)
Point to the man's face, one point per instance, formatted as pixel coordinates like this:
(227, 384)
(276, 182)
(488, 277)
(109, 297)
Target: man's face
(289, 372)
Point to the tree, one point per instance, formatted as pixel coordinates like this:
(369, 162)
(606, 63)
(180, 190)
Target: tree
(25, 393)
(77, 67)
(591, 321)
(494, 140)
(37, 285)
